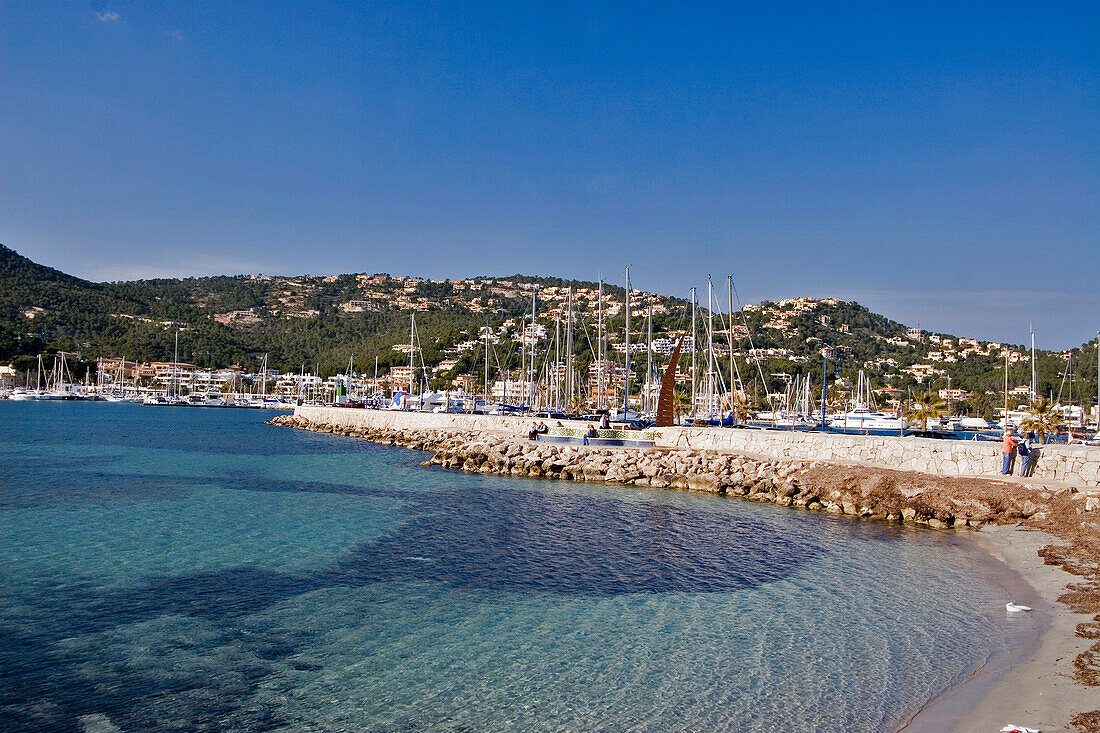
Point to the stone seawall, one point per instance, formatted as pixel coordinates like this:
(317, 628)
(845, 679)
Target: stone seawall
(1074, 464)
(857, 490)
(1077, 465)
(399, 420)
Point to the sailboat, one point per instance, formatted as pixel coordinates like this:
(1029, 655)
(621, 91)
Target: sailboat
(57, 387)
(797, 411)
(862, 418)
(25, 393)
(118, 384)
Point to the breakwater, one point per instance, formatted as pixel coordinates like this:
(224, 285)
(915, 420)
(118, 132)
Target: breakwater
(1076, 465)
(862, 491)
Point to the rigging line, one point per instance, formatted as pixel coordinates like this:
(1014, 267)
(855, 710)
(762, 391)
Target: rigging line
(684, 313)
(729, 331)
(1064, 373)
(592, 350)
(496, 358)
(588, 338)
(721, 384)
(544, 370)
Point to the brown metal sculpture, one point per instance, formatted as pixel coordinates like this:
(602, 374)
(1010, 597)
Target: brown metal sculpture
(665, 413)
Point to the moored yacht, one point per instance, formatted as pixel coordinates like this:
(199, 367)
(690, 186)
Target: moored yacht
(861, 418)
(23, 394)
(865, 420)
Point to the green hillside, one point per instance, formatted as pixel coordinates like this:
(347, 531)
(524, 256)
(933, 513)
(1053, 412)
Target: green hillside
(321, 322)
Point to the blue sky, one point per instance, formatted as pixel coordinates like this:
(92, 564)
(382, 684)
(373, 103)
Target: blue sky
(938, 162)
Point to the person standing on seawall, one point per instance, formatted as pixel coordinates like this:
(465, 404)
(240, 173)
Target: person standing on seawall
(1027, 450)
(1008, 452)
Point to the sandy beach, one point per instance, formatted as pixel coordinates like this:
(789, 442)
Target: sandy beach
(1041, 692)
(1033, 687)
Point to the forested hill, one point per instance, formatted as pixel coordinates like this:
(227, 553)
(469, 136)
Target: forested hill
(319, 322)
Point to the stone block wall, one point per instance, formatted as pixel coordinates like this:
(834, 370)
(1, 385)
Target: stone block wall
(1077, 464)
(398, 420)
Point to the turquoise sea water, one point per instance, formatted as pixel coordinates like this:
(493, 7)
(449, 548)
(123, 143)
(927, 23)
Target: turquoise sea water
(195, 569)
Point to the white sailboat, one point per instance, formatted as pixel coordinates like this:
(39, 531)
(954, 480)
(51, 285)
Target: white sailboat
(862, 418)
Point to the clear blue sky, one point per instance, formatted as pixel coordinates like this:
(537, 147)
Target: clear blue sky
(938, 162)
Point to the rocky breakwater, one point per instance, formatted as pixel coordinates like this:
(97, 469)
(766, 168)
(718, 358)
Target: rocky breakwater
(862, 491)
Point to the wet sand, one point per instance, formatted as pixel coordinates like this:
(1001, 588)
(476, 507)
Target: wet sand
(1036, 688)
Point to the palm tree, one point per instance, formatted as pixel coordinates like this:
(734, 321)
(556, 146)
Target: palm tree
(739, 404)
(681, 404)
(924, 407)
(1044, 418)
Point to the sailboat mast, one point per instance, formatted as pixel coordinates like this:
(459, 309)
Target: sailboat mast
(486, 331)
(626, 375)
(557, 360)
(649, 360)
(710, 348)
(569, 354)
(522, 352)
(412, 350)
(694, 342)
(733, 366)
(534, 340)
(175, 362)
(599, 349)
(1033, 366)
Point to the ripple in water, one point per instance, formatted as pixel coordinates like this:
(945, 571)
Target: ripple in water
(161, 578)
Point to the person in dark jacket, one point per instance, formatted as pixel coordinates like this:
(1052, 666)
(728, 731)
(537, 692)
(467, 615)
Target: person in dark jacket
(1027, 450)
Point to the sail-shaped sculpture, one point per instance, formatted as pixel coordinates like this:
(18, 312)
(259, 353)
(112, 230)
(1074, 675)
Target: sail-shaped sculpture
(665, 414)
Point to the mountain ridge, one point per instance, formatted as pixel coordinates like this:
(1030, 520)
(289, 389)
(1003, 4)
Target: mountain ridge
(323, 321)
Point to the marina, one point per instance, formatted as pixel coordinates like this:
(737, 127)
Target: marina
(694, 391)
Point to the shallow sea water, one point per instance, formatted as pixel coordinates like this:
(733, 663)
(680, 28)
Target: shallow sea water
(195, 569)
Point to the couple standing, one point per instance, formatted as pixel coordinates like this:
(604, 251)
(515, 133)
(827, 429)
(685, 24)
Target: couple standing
(1013, 446)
